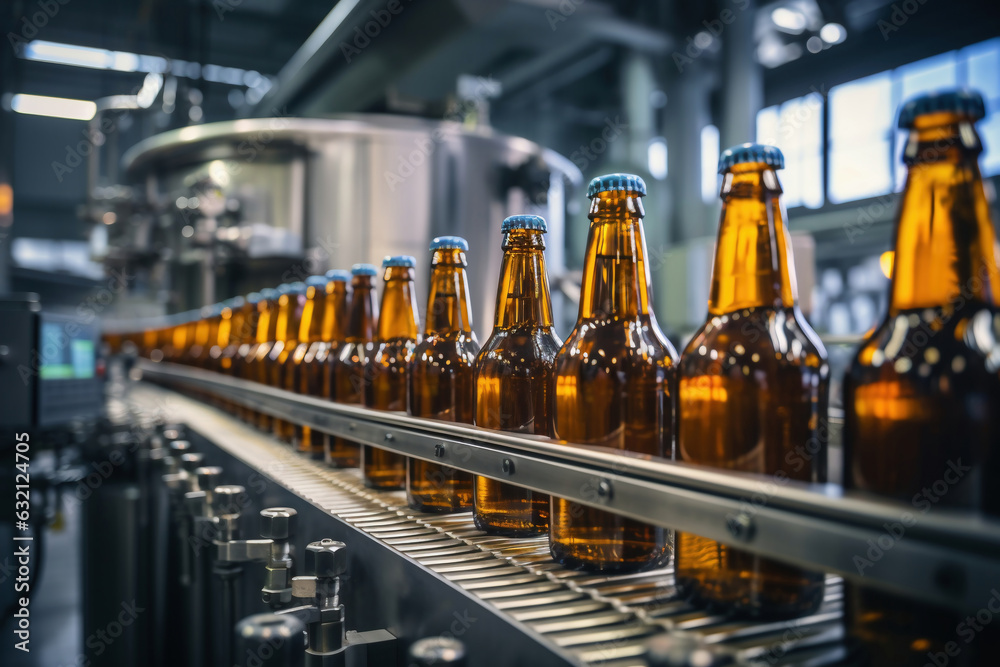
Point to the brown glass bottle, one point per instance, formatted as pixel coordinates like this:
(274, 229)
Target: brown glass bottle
(615, 380)
(441, 383)
(753, 390)
(922, 396)
(314, 379)
(310, 335)
(201, 335)
(239, 351)
(398, 335)
(254, 366)
(514, 375)
(349, 369)
(290, 307)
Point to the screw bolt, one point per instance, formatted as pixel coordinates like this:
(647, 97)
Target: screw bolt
(605, 490)
(278, 523)
(741, 526)
(439, 451)
(507, 466)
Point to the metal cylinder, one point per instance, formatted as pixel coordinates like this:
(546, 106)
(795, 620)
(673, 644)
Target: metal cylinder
(270, 640)
(437, 652)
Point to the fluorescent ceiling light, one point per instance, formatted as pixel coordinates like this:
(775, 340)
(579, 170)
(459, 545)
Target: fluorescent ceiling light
(122, 61)
(55, 107)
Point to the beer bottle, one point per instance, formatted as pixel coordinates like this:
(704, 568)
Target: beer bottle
(398, 335)
(349, 367)
(201, 328)
(922, 395)
(238, 332)
(267, 319)
(310, 335)
(441, 382)
(180, 337)
(314, 380)
(514, 374)
(239, 351)
(229, 314)
(290, 306)
(614, 380)
(753, 389)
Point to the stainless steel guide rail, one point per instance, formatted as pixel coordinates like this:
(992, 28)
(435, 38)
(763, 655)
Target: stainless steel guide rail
(952, 559)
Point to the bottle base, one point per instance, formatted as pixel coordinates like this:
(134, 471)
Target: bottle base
(572, 560)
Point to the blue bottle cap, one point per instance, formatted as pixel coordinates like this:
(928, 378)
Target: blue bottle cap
(338, 274)
(254, 297)
(210, 310)
(283, 288)
(234, 303)
(269, 294)
(298, 287)
(535, 222)
(449, 242)
(363, 270)
(962, 101)
(620, 182)
(317, 281)
(400, 260)
(746, 153)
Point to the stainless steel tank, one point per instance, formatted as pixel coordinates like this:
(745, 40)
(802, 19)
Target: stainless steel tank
(233, 205)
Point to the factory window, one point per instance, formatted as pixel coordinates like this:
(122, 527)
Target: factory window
(861, 138)
(709, 163)
(796, 127)
(863, 143)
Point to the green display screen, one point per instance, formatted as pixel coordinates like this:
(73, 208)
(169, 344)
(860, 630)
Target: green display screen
(64, 357)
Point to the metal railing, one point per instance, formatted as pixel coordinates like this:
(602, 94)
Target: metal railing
(941, 556)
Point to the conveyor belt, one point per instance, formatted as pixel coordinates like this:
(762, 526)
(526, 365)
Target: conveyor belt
(599, 618)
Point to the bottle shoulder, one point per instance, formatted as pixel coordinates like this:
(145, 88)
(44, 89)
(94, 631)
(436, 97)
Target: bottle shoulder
(756, 336)
(931, 341)
(438, 350)
(626, 341)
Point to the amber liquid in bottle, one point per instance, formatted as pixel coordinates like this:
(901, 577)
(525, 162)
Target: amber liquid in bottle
(310, 335)
(256, 368)
(290, 310)
(349, 370)
(753, 397)
(398, 335)
(514, 380)
(922, 396)
(238, 351)
(615, 386)
(441, 382)
(314, 379)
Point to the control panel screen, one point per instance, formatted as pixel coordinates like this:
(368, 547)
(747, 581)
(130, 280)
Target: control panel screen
(64, 357)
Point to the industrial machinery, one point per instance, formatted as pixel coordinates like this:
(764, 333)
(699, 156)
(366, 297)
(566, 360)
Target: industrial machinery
(221, 209)
(240, 524)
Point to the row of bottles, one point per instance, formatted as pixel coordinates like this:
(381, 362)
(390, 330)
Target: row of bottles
(748, 394)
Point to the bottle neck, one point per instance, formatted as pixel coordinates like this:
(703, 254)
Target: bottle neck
(246, 332)
(945, 246)
(753, 254)
(364, 311)
(523, 292)
(335, 312)
(398, 315)
(448, 308)
(311, 326)
(203, 331)
(289, 317)
(225, 327)
(267, 321)
(615, 275)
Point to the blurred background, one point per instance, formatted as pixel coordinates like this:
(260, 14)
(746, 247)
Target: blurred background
(159, 156)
